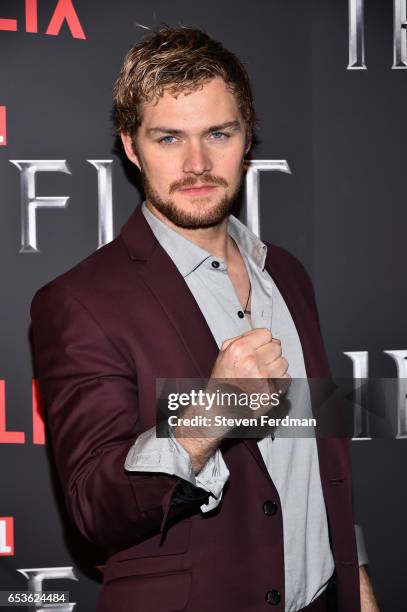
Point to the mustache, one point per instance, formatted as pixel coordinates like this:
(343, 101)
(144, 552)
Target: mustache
(190, 181)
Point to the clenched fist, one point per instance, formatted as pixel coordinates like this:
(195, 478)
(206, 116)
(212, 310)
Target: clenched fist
(251, 363)
(254, 354)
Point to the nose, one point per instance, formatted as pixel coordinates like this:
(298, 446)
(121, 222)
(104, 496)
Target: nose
(197, 159)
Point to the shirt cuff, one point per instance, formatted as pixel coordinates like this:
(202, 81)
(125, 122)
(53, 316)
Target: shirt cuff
(152, 454)
(212, 478)
(361, 547)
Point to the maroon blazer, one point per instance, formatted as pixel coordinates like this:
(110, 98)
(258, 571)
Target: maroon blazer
(103, 332)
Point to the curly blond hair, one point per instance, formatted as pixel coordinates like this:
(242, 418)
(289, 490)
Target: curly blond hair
(178, 59)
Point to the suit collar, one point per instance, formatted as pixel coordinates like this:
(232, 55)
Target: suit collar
(137, 236)
(293, 282)
(167, 284)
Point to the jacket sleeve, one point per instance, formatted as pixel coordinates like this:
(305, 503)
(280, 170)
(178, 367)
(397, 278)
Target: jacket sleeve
(90, 396)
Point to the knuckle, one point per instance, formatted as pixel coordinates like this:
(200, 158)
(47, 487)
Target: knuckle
(267, 333)
(284, 362)
(249, 363)
(279, 366)
(278, 350)
(237, 348)
(279, 363)
(225, 345)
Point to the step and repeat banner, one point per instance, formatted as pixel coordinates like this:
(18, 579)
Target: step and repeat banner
(326, 180)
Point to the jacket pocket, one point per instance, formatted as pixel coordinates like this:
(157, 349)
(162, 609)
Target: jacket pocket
(143, 566)
(175, 542)
(160, 592)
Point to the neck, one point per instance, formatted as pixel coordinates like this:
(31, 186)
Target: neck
(215, 240)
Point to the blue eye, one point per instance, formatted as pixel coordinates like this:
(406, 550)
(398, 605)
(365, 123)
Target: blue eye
(220, 135)
(165, 139)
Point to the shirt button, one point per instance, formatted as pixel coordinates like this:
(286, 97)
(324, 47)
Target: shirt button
(215, 264)
(269, 507)
(273, 597)
(240, 314)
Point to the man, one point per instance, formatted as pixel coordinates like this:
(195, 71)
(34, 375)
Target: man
(186, 291)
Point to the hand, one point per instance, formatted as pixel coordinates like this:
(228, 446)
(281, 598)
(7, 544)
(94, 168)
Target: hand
(368, 601)
(249, 364)
(253, 355)
(248, 361)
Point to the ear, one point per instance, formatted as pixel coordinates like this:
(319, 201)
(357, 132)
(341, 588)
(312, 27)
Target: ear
(128, 147)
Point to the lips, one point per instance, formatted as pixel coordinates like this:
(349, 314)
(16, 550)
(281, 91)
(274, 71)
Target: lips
(198, 190)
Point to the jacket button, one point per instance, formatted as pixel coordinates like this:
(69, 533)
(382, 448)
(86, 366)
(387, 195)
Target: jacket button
(269, 507)
(273, 597)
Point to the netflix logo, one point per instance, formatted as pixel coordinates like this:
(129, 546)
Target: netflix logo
(6, 536)
(3, 128)
(37, 411)
(64, 12)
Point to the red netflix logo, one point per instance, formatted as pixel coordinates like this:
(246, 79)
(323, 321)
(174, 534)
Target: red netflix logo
(6, 536)
(64, 12)
(38, 427)
(3, 130)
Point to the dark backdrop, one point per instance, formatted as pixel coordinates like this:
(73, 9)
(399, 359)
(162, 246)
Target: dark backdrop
(341, 211)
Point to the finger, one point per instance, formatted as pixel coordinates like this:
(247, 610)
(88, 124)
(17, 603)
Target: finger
(254, 337)
(277, 368)
(228, 342)
(258, 337)
(268, 353)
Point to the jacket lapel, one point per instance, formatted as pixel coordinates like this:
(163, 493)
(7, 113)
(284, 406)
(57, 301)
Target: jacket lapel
(169, 287)
(298, 296)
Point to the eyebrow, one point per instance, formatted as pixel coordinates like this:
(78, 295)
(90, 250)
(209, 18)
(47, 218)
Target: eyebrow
(234, 125)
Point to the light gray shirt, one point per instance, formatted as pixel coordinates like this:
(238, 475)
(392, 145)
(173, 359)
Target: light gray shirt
(291, 462)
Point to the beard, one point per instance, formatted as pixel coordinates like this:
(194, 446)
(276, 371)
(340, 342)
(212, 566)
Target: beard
(201, 216)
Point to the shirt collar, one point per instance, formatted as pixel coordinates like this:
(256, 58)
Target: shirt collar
(188, 256)
(247, 241)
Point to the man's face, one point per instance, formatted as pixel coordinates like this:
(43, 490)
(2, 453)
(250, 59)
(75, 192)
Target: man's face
(190, 151)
